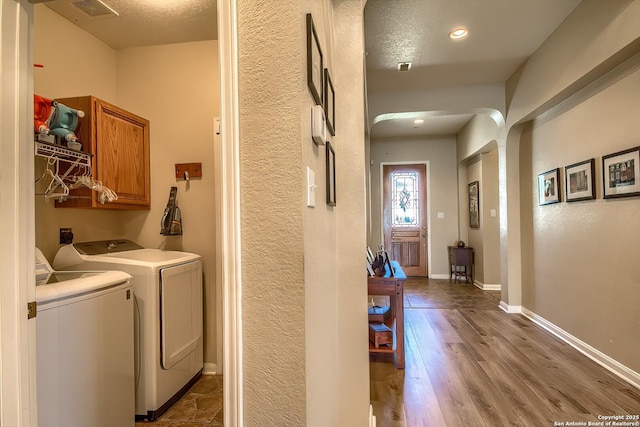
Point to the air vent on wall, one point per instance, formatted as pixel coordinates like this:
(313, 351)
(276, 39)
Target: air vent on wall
(94, 8)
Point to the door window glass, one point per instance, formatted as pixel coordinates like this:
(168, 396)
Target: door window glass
(405, 204)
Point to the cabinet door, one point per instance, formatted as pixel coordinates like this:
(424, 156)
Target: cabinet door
(122, 155)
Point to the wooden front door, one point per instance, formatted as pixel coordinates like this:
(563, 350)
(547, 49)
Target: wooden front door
(405, 216)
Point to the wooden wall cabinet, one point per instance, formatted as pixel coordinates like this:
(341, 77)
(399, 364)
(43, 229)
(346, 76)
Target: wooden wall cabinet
(119, 144)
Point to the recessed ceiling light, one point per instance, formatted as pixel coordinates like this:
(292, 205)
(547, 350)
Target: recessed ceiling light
(404, 66)
(418, 121)
(458, 33)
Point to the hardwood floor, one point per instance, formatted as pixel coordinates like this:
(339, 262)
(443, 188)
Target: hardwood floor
(468, 363)
(201, 406)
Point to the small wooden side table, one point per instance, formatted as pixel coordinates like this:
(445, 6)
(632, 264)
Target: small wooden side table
(460, 257)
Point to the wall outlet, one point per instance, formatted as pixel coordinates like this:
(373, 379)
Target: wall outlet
(66, 236)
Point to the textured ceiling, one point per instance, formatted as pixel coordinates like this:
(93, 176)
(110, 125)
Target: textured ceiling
(502, 35)
(145, 22)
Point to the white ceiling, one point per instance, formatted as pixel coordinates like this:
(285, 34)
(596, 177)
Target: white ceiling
(144, 22)
(502, 35)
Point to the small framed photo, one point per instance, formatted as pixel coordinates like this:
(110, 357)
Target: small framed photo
(474, 205)
(549, 187)
(620, 173)
(314, 62)
(329, 103)
(331, 175)
(580, 181)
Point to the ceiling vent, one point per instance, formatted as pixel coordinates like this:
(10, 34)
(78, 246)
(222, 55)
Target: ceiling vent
(95, 8)
(404, 66)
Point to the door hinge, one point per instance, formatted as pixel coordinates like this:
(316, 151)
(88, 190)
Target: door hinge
(31, 309)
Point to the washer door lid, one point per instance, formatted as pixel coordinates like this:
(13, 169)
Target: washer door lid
(180, 311)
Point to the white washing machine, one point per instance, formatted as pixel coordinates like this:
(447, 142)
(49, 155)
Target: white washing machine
(84, 344)
(168, 291)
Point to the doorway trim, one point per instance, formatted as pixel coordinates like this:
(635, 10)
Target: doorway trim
(17, 211)
(428, 202)
(231, 233)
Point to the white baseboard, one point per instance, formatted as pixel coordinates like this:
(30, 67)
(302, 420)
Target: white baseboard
(487, 286)
(592, 353)
(511, 309)
(438, 276)
(210, 369)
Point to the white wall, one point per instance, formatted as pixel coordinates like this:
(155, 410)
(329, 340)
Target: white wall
(460, 99)
(442, 190)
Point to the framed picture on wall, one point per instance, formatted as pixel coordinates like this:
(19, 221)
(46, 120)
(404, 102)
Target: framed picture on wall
(474, 205)
(315, 65)
(331, 174)
(580, 181)
(620, 173)
(329, 103)
(549, 187)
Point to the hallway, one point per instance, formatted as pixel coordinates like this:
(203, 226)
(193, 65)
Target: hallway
(468, 363)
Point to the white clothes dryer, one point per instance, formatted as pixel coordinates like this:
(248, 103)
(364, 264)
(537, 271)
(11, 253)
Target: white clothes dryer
(167, 286)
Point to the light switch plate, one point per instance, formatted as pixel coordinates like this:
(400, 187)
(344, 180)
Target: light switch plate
(311, 188)
(440, 215)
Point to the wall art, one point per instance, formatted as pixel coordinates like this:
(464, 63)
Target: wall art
(315, 65)
(620, 173)
(549, 187)
(580, 181)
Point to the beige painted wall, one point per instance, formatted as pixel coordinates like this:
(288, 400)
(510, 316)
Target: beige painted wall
(305, 356)
(176, 87)
(442, 187)
(475, 237)
(478, 135)
(353, 345)
(582, 47)
(490, 218)
(64, 76)
(591, 41)
(576, 256)
(582, 275)
(273, 284)
(486, 239)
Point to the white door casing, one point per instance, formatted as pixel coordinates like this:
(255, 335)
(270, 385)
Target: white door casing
(17, 213)
(231, 261)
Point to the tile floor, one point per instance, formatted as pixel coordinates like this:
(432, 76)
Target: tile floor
(201, 406)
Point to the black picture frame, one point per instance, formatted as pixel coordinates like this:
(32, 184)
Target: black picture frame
(315, 65)
(331, 174)
(549, 187)
(621, 174)
(580, 181)
(474, 205)
(329, 103)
